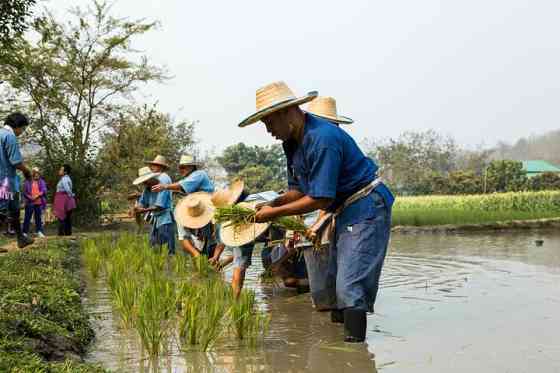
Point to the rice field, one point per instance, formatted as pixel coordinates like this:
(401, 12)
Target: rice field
(476, 209)
(171, 299)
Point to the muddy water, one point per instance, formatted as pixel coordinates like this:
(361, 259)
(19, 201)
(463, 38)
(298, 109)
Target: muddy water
(448, 303)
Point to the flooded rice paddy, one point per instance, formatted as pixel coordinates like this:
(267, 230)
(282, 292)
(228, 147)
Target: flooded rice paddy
(448, 303)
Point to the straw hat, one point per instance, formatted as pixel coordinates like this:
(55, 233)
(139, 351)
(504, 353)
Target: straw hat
(188, 160)
(228, 196)
(145, 174)
(325, 107)
(273, 97)
(195, 210)
(159, 160)
(245, 234)
(35, 169)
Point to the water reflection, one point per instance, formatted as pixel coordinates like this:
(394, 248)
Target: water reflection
(448, 302)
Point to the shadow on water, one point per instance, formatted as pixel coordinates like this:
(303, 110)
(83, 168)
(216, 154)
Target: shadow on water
(462, 303)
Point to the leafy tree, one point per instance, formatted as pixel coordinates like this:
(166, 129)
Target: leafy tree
(505, 176)
(409, 161)
(140, 134)
(252, 162)
(260, 178)
(545, 181)
(77, 76)
(457, 182)
(14, 21)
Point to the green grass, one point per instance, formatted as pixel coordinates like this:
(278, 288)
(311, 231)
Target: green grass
(475, 209)
(41, 314)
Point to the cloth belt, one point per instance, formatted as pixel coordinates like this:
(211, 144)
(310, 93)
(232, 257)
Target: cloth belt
(320, 233)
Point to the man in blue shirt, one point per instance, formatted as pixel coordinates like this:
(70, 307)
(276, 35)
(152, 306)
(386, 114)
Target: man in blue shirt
(157, 207)
(194, 180)
(327, 170)
(10, 161)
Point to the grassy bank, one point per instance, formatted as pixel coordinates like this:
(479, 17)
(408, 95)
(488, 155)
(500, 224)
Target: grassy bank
(476, 209)
(43, 326)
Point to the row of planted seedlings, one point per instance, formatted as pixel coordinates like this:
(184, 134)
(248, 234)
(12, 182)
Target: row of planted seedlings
(168, 299)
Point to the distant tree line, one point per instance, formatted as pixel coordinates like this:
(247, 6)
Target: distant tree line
(423, 163)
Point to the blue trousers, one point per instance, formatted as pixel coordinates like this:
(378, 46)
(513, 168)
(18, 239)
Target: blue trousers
(356, 258)
(164, 235)
(30, 211)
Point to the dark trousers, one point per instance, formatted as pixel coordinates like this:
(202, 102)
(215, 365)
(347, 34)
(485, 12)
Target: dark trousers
(65, 226)
(33, 211)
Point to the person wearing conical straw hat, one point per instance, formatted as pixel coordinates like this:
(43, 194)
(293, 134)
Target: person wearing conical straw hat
(325, 108)
(193, 180)
(156, 207)
(160, 165)
(327, 170)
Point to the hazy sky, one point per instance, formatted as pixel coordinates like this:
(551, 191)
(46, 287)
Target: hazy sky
(481, 71)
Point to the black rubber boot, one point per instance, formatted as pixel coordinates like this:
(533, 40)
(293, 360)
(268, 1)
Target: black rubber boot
(355, 322)
(337, 316)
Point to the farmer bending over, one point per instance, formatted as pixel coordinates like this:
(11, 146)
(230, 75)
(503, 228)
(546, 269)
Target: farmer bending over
(327, 170)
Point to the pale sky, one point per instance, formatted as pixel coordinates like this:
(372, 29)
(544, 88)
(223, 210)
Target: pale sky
(478, 70)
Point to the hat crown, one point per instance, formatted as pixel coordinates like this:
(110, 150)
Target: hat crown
(160, 159)
(187, 159)
(195, 207)
(323, 106)
(142, 171)
(272, 94)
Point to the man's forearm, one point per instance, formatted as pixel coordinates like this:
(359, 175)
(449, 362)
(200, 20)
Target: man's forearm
(176, 187)
(302, 205)
(288, 197)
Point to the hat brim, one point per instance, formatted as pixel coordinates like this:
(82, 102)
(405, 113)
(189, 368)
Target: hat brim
(279, 106)
(239, 236)
(194, 222)
(338, 119)
(229, 196)
(157, 164)
(142, 179)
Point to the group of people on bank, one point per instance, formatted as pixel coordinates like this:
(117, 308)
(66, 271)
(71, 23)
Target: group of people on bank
(34, 189)
(330, 182)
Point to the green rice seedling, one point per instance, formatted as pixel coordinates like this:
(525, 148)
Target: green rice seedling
(180, 265)
(241, 312)
(92, 258)
(203, 315)
(125, 298)
(156, 306)
(202, 266)
(249, 323)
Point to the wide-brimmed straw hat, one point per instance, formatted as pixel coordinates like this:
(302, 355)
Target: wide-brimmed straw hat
(188, 160)
(159, 160)
(195, 210)
(325, 107)
(273, 97)
(242, 235)
(145, 174)
(228, 196)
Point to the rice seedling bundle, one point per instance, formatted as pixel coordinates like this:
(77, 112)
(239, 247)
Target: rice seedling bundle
(238, 216)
